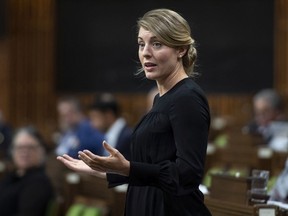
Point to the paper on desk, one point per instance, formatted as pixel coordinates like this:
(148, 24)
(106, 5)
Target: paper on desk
(280, 204)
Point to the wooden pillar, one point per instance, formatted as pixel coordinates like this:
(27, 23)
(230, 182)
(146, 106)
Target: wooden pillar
(4, 77)
(31, 56)
(281, 46)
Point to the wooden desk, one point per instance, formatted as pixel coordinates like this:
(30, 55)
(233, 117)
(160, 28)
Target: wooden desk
(230, 188)
(224, 208)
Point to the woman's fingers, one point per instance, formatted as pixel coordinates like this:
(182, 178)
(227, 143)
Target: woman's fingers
(67, 157)
(90, 159)
(115, 163)
(61, 158)
(85, 158)
(66, 162)
(91, 155)
(94, 161)
(110, 149)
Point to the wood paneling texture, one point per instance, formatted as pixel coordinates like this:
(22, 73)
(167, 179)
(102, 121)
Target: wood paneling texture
(31, 73)
(27, 80)
(4, 76)
(281, 47)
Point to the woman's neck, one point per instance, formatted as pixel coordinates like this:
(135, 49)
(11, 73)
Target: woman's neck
(165, 85)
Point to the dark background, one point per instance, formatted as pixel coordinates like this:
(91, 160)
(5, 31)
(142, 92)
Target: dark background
(97, 44)
(2, 18)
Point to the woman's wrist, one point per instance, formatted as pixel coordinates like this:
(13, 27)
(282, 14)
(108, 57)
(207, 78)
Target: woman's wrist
(99, 174)
(126, 170)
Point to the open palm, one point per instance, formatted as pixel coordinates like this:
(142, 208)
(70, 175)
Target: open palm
(78, 165)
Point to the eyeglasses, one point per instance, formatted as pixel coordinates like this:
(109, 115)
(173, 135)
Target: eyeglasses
(21, 148)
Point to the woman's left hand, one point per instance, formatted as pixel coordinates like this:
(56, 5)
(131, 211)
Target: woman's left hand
(114, 163)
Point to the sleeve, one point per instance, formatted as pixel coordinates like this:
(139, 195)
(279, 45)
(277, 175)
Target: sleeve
(190, 121)
(34, 198)
(116, 180)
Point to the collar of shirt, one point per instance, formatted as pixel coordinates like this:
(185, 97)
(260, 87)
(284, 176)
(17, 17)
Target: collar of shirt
(114, 132)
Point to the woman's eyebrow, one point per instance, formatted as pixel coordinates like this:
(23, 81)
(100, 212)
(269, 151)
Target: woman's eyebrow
(152, 38)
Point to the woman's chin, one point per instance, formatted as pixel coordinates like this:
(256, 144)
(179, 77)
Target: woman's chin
(150, 76)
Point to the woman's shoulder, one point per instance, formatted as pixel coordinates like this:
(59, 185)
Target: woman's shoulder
(188, 90)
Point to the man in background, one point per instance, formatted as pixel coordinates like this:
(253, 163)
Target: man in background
(105, 116)
(76, 131)
(269, 121)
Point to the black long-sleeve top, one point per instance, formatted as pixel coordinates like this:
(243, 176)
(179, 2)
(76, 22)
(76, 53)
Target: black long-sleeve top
(28, 195)
(168, 155)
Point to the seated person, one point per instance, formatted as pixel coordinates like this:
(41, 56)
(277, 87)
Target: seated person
(26, 190)
(269, 116)
(150, 97)
(105, 116)
(76, 132)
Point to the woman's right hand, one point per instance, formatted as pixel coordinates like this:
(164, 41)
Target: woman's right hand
(79, 166)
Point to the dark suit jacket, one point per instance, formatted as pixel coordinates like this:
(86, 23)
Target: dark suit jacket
(124, 142)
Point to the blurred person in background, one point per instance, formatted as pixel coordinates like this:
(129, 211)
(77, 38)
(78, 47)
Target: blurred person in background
(76, 131)
(26, 190)
(105, 116)
(150, 97)
(269, 119)
(5, 137)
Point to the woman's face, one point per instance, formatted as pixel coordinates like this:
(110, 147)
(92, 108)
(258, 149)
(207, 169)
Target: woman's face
(158, 60)
(26, 151)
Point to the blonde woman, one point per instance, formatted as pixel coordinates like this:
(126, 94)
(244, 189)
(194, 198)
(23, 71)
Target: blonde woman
(169, 143)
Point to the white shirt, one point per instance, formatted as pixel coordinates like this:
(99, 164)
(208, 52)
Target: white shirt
(114, 131)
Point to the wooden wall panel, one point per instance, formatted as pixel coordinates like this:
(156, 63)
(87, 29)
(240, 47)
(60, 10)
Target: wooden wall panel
(237, 107)
(4, 77)
(281, 46)
(31, 88)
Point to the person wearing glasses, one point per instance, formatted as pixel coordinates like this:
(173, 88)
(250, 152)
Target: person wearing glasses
(26, 190)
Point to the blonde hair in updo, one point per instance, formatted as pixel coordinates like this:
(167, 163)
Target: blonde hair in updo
(172, 30)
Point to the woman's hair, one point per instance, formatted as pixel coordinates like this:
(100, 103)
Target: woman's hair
(33, 132)
(173, 30)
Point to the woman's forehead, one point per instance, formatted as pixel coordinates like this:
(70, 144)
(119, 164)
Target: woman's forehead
(24, 137)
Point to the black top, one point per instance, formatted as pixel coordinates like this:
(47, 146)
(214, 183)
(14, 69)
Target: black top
(28, 195)
(168, 154)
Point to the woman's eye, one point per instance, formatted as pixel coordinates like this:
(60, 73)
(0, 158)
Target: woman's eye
(157, 44)
(141, 45)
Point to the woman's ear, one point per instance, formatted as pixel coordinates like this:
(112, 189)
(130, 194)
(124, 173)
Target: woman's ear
(182, 51)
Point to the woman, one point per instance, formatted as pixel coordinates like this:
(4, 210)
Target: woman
(27, 190)
(169, 143)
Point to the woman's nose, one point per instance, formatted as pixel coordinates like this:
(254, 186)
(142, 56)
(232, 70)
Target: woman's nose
(146, 51)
